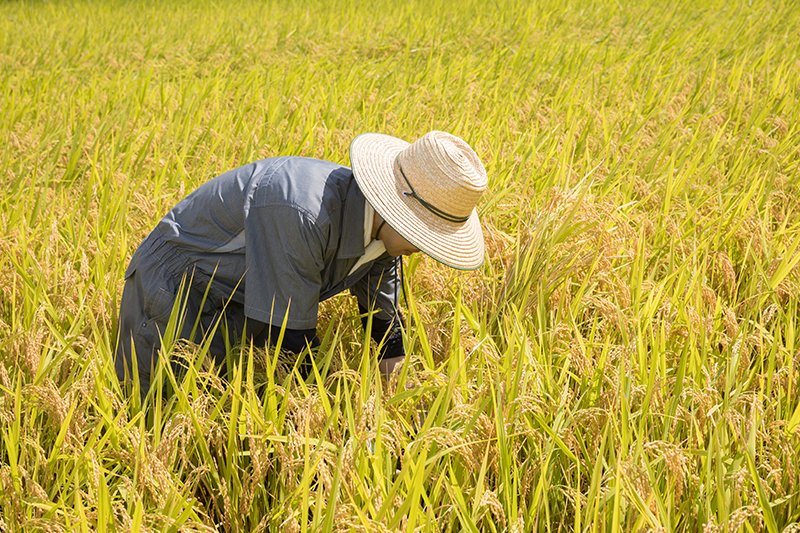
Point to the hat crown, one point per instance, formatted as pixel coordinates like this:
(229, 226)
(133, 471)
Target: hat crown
(443, 171)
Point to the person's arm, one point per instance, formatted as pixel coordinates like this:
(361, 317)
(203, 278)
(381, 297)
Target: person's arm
(294, 340)
(388, 335)
(377, 292)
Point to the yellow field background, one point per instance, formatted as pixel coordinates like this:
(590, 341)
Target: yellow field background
(627, 358)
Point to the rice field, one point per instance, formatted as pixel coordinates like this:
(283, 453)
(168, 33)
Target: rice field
(627, 359)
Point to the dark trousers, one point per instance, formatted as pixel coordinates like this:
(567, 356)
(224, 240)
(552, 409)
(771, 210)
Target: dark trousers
(148, 299)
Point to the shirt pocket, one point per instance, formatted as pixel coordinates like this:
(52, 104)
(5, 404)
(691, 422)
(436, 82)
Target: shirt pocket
(159, 299)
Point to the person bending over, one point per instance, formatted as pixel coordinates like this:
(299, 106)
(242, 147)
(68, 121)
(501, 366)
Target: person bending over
(270, 240)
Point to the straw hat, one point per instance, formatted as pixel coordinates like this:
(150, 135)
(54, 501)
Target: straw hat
(427, 191)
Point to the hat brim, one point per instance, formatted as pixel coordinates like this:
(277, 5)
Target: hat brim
(458, 245)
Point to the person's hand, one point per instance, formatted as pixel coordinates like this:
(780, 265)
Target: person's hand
(388, 365)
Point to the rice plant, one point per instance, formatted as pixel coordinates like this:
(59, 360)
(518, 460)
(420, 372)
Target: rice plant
(626, 359)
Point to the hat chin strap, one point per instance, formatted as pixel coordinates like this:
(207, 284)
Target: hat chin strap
(380, 227)
(430, 207)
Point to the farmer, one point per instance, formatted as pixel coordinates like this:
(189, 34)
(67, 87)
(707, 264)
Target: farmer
(266, 242)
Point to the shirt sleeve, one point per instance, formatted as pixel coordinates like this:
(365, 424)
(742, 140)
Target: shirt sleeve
(294, 340)
(387, 334)
(378, 290)
(285, 257)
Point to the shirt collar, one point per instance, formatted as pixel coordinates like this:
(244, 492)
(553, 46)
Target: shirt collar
(369, 220)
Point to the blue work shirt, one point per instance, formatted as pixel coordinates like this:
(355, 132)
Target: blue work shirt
(278, 236)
